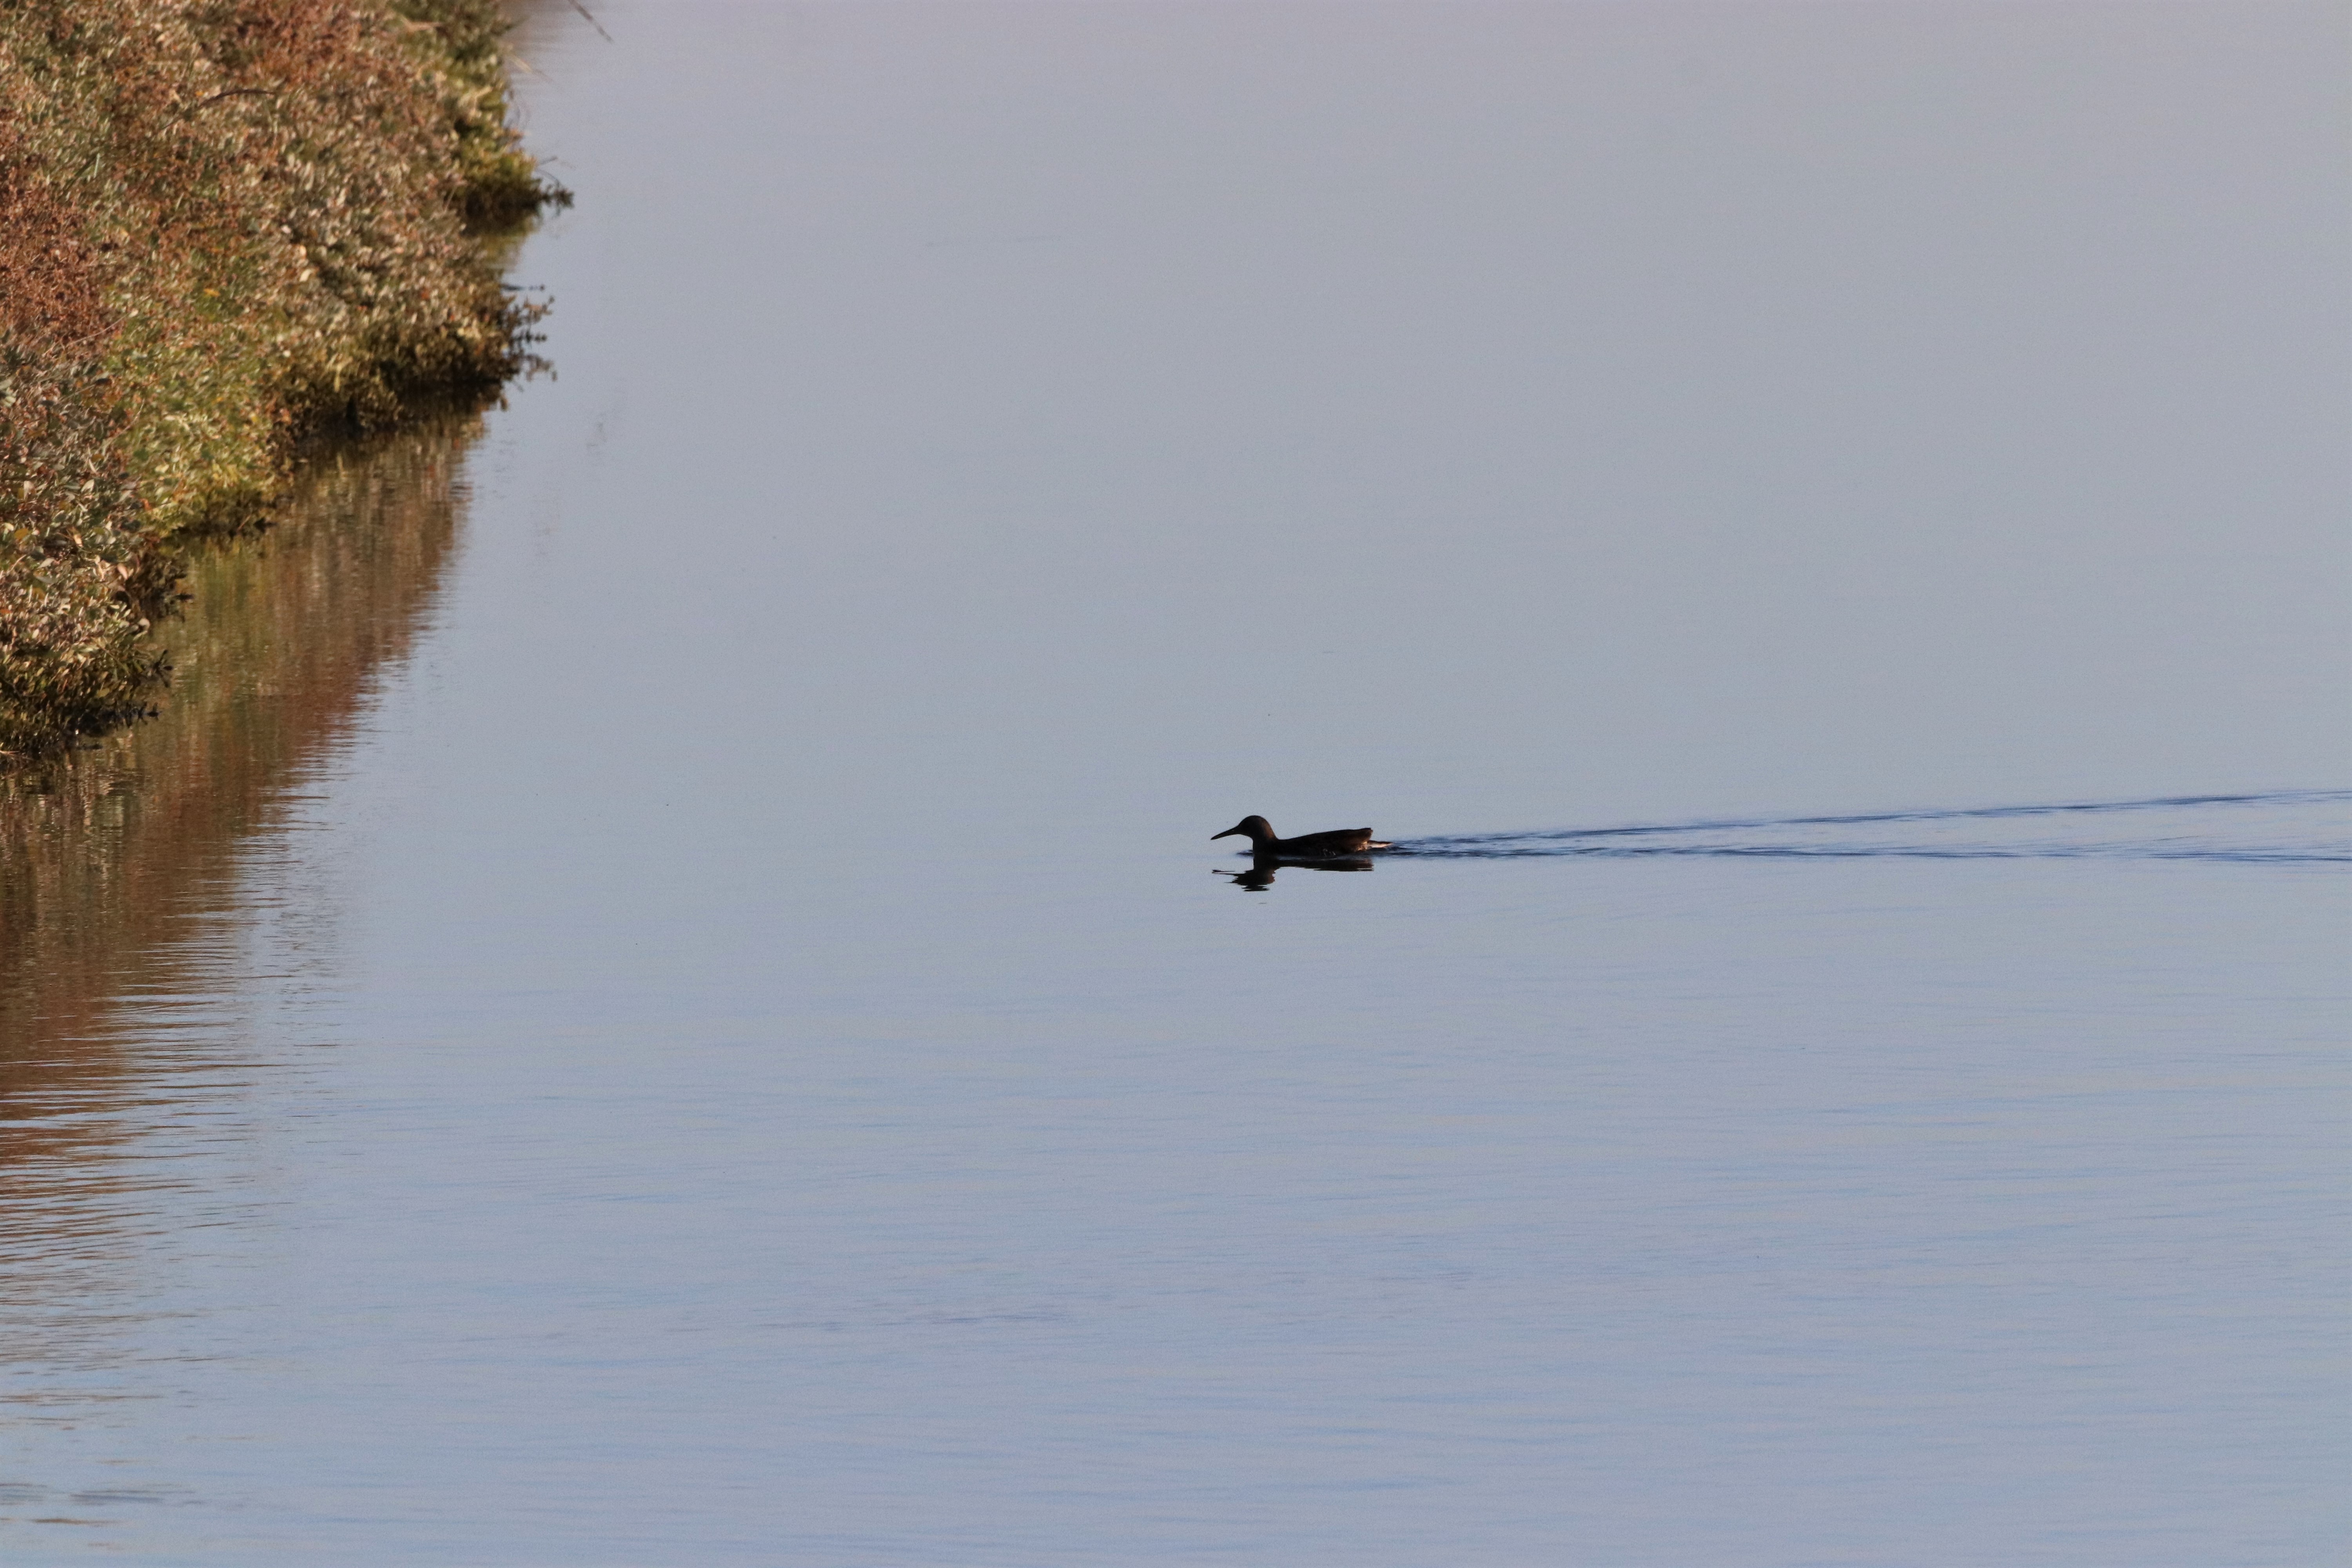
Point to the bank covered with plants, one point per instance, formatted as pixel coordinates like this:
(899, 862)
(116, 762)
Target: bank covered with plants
(225, 227)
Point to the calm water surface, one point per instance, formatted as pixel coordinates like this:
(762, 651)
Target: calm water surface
(661, 997)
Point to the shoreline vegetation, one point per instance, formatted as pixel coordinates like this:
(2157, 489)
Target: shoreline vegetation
(226, 227)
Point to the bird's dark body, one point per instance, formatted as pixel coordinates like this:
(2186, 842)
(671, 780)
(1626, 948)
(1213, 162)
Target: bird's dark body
(1330, 845)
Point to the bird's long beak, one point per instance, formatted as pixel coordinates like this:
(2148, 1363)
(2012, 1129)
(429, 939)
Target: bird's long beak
(1228, 833)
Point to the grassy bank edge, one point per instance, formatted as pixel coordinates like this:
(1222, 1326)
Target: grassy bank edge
(227, 227)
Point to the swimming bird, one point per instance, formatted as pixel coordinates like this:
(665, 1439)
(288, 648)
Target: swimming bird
(1306, 846)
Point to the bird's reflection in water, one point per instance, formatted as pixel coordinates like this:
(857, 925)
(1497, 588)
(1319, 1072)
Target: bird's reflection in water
(1260, 875)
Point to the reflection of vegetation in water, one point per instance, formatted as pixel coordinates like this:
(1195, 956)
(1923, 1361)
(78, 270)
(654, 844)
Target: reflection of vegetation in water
(115, 864)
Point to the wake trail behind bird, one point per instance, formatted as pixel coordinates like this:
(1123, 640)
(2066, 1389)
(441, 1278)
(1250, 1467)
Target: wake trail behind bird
(2311, 827)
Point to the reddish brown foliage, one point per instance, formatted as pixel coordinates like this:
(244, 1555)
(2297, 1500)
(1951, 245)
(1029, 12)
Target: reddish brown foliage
(51, 289)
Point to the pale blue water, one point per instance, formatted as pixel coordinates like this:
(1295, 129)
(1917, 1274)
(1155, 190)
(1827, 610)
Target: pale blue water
(2287, 827)
(1818, 530)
